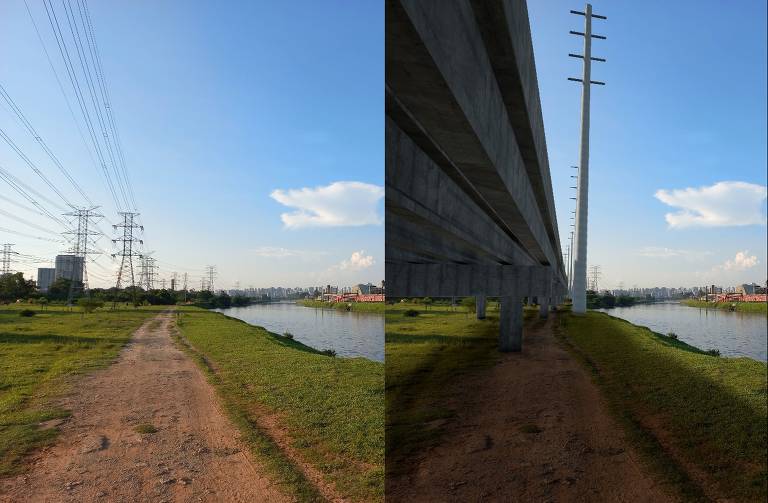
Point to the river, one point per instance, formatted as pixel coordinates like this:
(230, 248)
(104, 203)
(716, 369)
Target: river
(733, 334)
(350, 334)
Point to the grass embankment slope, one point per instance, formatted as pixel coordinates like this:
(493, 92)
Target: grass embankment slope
(39, 355)
(424, 354)
(741, 307)
(699, 420)
(332, 409)
(356, 307)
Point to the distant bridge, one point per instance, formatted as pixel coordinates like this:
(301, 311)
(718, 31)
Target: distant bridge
(469, 204)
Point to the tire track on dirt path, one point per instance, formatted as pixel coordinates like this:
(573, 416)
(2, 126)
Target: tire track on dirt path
(194, 455)
(532, 428)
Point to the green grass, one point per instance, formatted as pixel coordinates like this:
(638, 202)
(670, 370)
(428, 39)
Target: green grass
(357, 307)
(332, 408)
(741, 307)
(39, 356)
(145, 429)
(682, 407)
(424, 354)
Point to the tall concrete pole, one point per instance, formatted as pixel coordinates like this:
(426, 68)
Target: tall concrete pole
(580, 252)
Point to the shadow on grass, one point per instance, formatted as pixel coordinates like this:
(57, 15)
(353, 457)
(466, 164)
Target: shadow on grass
(682, 407)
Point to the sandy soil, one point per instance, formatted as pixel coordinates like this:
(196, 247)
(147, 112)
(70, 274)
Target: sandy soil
(492, 451)
(194, 456)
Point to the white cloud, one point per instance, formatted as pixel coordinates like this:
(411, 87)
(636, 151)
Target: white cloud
(334, 205)
(740, 262)
(662, 252)
(359, 260)
(719, 205)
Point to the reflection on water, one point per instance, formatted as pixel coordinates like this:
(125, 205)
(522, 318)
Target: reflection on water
(350, 334)
(732, 333)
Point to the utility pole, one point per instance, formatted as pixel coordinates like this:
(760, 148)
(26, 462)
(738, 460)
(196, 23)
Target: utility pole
(126, 245)
(6, 261)
(210, 271)
(580, 255)
(80, 238)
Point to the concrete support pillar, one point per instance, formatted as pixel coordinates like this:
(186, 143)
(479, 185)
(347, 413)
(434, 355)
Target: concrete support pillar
(543, 307)
(511, 323)
(480, 306)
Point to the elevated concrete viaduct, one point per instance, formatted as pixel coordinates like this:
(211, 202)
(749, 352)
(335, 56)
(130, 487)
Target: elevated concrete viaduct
(469, 204)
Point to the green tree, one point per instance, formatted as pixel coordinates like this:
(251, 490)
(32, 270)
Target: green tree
(14, 287)
(89, 305)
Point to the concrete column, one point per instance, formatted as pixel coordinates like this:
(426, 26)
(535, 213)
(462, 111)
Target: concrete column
(543, 307)
(511, 323)
(480, 306)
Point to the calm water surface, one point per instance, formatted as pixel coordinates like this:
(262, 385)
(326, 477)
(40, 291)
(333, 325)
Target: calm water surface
(733, 334)
(349, 334)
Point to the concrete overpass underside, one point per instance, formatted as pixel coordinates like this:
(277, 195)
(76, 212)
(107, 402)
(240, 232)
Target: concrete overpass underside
(469, 203)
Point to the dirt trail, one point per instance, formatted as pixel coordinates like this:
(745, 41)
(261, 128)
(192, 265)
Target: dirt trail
(492, 450)
(194, 456)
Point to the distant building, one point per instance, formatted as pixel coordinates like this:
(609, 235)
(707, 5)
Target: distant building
(45, 277)
(69, 267)
(749, 289)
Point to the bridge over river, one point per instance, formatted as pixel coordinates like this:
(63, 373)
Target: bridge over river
(469, 203)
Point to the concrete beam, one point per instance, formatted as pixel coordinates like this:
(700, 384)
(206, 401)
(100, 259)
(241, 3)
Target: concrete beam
(462, 280)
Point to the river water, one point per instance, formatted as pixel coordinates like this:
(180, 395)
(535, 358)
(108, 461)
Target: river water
(350, 334)
(733, 334)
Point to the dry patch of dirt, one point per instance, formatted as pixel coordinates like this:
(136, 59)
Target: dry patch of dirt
(108, 451)
(532, 428)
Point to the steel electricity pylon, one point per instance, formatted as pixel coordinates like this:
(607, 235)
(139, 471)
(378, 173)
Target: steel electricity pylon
(126, 245)
(580, 245)
(80, 245)
(5, 263)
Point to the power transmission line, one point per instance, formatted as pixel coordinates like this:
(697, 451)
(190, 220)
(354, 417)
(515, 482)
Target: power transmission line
(594, 274)
(210, 271)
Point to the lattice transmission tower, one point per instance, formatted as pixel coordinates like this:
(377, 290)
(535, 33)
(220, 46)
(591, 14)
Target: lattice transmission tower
(210, 271)
(5, 264)
(80, 239)
(127, 244)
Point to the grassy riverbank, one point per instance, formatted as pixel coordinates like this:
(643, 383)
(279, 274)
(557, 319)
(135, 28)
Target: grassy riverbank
(358, 307)
(699, 420)
(39, 356)
(423, 354)
(741, 307)
(331, 410)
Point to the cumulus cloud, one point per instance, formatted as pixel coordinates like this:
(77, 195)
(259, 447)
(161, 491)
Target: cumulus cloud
(334, 205)
(719, 205)
(359, 260)
(740, 262)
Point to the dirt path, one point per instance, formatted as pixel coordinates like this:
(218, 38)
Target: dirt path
(194, 456)
(532, 428)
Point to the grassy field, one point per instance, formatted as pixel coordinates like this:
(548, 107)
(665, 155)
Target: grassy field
(359, 307)
(332, 408)
(687, 411)
(38, 357)
(423, 353)
(741, 307)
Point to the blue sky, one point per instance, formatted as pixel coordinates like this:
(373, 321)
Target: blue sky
(230, 116)
(684, 108)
